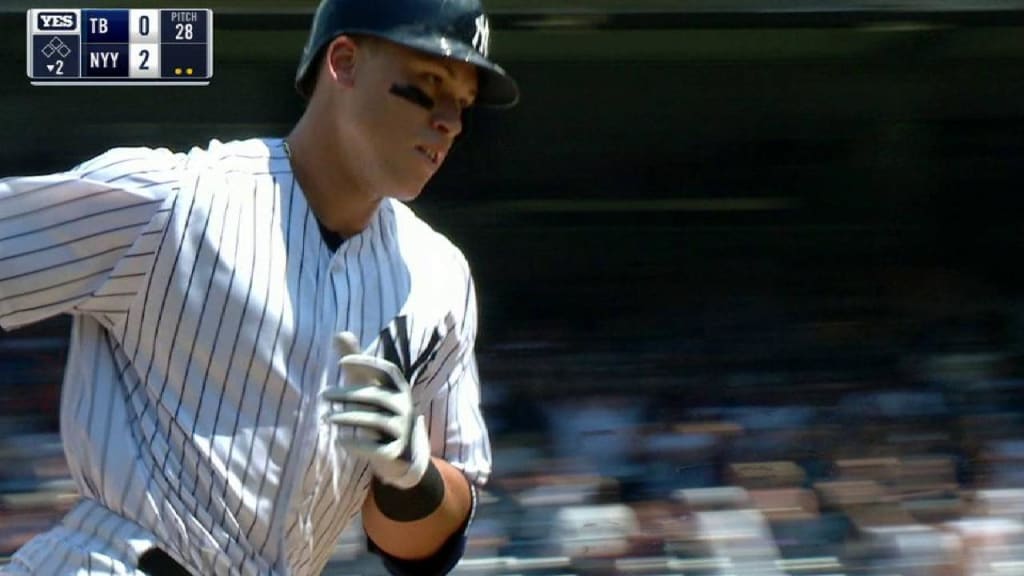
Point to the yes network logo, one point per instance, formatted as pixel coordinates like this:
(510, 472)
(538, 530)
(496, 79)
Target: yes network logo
(56, 21)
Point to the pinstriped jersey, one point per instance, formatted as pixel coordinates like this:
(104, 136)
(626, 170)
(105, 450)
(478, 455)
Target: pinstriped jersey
(205, 302)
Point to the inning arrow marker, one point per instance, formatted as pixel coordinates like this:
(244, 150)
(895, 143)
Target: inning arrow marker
(49, 67)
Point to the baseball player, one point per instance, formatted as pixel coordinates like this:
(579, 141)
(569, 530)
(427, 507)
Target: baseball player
(266, 341)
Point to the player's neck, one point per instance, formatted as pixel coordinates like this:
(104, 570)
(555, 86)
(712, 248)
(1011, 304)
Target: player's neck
(332, 188)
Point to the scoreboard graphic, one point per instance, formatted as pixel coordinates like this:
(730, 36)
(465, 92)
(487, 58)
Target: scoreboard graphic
(120, 46)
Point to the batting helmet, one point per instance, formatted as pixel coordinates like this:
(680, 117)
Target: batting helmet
(456, 29)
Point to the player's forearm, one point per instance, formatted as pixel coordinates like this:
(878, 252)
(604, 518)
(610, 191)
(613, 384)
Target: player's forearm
(421, 538)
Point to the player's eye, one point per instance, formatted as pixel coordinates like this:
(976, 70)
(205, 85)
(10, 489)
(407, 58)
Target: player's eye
(431, 79)
(436, 84)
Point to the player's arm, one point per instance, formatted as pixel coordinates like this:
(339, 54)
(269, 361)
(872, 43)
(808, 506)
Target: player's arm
(422, 496)
(439, 537)
(419, 504)
(62, 235)
(444, 500)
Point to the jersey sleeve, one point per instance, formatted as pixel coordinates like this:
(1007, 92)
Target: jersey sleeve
(457, 430)
(80, 241)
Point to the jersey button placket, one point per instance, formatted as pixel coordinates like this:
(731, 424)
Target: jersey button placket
(338, 261)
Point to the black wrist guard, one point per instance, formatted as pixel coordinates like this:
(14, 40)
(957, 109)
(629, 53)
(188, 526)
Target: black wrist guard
(413, 504)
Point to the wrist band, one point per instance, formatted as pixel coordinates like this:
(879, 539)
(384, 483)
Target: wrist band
(411, 504)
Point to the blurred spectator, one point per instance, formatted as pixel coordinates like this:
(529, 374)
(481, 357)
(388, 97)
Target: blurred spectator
(598, 434)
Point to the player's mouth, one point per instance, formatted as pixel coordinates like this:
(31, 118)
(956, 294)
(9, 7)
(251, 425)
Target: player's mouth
(432, 155)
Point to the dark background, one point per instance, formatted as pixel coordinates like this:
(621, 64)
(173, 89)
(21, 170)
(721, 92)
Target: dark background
(674, 174)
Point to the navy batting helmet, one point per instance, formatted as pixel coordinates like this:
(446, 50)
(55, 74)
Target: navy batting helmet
(456, 29)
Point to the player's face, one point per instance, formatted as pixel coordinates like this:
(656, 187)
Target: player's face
(408, 106)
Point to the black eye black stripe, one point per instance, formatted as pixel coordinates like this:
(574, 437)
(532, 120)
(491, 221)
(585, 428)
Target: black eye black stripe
(413, 94)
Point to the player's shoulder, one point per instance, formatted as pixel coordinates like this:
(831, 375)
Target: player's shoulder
(253, 155)
(441, 274)
(130, 159)
(422, 240)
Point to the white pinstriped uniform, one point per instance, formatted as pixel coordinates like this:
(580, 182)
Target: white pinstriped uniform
(204, 304)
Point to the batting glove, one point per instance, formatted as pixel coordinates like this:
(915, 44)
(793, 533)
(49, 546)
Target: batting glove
(376, 401)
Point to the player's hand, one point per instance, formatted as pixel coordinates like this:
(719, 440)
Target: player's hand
(377, 402)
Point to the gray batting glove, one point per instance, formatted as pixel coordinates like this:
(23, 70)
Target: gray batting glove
(377, 402)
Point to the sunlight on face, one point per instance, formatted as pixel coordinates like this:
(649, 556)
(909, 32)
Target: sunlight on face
(404, 139)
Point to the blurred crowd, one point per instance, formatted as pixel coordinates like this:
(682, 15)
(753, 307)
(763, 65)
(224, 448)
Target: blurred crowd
(616, 461)
(921, 474)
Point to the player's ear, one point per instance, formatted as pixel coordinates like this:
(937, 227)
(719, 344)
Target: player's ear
(341, 60)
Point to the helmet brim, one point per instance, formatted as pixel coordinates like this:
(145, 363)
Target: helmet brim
(495, 88)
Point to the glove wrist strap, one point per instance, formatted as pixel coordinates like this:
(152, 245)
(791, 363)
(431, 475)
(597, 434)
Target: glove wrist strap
(414, 503)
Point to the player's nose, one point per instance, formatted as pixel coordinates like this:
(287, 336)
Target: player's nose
(447, 117)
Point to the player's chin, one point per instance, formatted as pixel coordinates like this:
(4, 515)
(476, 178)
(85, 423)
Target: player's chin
(411, 183)
(408, 193)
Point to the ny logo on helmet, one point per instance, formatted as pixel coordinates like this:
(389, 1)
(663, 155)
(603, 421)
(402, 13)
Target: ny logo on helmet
(482, 35)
